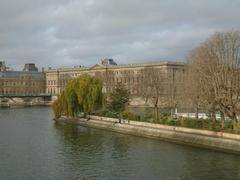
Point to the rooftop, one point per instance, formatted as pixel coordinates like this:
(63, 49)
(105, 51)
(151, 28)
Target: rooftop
(115, 65)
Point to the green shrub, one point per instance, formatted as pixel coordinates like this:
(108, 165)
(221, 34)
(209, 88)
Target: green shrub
(165, 119)
(170, 122)
(188, 122)
(137, 117)
(164, 115)
(110, 114)
(217, 126)
(207, 124)
(198, 123)
(131, 116)
(178, 122)
(237, 128)
(125, 115)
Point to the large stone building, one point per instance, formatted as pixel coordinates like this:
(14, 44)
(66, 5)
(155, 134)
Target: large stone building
(135, 77)
(26, 82)
(129, 75)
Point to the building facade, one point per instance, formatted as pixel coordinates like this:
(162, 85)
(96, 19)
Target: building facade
(132, 76)
(26, 82)
(169, 77)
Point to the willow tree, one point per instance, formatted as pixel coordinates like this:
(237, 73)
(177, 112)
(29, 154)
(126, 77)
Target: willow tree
(82, 94)
(60, 105)
(73, 108)
(57, 108)
(89, 93)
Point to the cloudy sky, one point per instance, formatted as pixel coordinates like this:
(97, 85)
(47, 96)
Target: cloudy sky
(80, 32)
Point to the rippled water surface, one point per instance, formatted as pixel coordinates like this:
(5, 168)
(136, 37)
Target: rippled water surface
(33, 147)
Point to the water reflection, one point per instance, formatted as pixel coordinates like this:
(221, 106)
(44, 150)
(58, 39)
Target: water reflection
(32, 146)
(120, 147)
(127, 157)
(202, 163)
(80, 139)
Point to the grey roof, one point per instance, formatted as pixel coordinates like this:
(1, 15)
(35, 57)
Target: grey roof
(17, 74)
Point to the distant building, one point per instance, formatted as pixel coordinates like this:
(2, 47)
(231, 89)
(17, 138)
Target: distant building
(31, 82)
(30, 67)
(3, 66)
(108, 62)
(26, 82)
(112, 74)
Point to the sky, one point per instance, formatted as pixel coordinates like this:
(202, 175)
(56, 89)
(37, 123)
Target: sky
(65, 33)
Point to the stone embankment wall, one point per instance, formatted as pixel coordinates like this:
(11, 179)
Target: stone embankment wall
(203, 138)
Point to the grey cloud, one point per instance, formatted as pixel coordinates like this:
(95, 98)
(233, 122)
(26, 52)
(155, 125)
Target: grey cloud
(73, 32)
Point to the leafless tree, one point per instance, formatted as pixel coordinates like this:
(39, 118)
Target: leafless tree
(214, 70)
(152, 87)
(174, 81)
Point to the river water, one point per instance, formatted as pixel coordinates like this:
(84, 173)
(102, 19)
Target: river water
(33, 147)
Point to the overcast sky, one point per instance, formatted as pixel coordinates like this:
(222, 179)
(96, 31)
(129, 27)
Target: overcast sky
(61, 33)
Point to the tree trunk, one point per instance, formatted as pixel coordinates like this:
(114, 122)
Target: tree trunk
(222, 120)
(175, 110)
(120, 117)
(156, 109)
(235, 121)
(156, 112)
(196, 113)
(212, 118)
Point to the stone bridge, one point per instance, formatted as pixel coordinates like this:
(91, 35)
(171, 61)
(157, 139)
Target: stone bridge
(22, 100)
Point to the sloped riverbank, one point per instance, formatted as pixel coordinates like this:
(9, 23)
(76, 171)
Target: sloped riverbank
(203, 138)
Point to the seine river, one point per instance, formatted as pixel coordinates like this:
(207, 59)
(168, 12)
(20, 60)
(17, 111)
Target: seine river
(33, 147)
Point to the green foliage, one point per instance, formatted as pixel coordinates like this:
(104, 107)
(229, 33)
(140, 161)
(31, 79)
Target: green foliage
(89, 93)
(111, 114)
(73, 107)
(170, 122)
(165, 119)
(106, 113)
(60, 106)
(82, 94)
(118, 99)
(131, 116)
(237, 128)
(57, 109)
(188, 122)
(125, 115)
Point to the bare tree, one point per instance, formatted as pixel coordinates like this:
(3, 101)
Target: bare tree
(152, 87)
(174, 81)
(214, 68)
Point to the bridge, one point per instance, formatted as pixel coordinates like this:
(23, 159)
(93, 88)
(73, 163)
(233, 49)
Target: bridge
(25, 99)
(25, 95)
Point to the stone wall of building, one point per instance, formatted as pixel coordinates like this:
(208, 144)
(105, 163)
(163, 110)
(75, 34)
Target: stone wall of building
(26, 82)
(130, 75)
